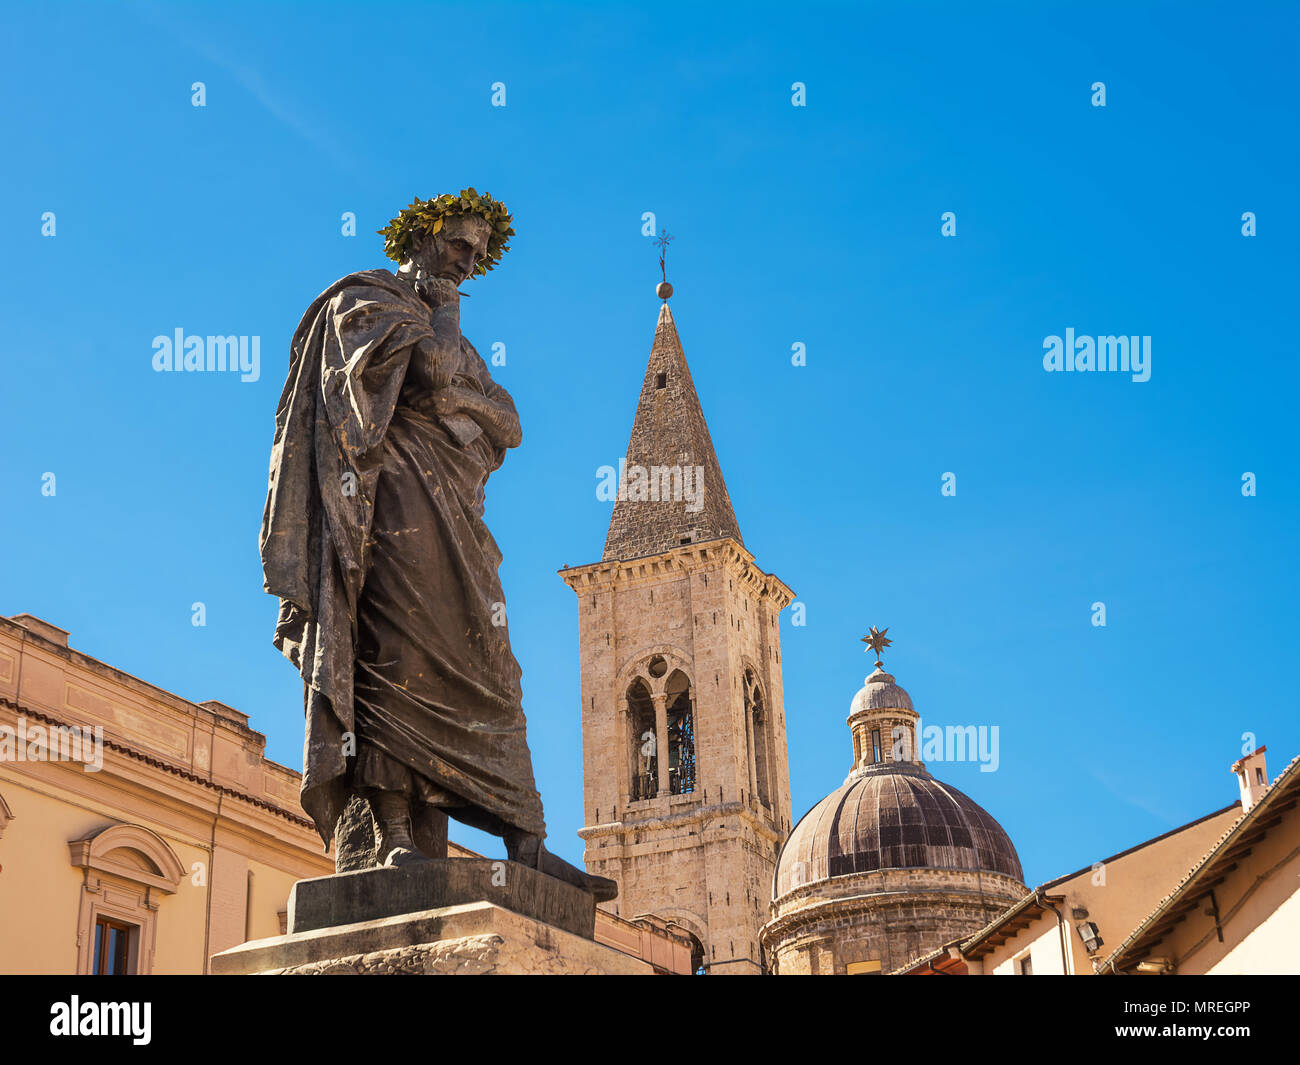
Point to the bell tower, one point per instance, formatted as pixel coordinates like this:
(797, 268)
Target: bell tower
(686, 776)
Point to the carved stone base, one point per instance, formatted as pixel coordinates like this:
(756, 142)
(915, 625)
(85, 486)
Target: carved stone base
(474, 939)
(369, 894)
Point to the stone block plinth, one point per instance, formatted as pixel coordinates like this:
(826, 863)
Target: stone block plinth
(471, 939)
(370, 894)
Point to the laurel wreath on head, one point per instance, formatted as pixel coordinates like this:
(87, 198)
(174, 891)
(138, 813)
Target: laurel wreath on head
(426, 217)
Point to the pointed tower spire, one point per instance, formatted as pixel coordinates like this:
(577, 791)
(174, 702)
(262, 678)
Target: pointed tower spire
(686, 780)
(671, 490)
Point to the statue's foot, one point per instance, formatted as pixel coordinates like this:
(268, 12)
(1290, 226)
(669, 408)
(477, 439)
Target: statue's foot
(602, 887)
(400, 856)
(393, 817)
(529, 851)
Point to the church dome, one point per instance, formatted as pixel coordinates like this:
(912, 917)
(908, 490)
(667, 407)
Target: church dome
(894, 816)
(893, 863)
(880, 693)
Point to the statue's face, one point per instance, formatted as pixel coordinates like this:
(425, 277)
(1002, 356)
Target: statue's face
(455, 251)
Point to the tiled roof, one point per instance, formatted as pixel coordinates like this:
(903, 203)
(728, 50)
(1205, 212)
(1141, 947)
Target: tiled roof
(900, 818)
(925, 959)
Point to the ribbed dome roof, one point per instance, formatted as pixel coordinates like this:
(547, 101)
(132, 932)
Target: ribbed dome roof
(897, 817)
(880, 693)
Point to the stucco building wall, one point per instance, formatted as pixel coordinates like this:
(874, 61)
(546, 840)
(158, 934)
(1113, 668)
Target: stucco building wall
(1116, 895)
(1041, 945)
(1259, 914)
(187, 833)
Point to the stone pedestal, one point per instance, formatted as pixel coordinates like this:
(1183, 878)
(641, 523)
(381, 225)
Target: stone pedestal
(473, 939)
(369, 894)
(454, 915)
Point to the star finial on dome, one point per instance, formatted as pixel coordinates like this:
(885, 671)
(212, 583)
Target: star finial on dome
(875, 641)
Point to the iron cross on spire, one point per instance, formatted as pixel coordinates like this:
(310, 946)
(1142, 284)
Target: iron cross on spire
(663, 290)
(876, 641)
(662, 241)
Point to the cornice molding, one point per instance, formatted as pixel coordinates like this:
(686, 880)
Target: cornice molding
(837, 907)
(681, 561)
(691, 815)
(165, 766)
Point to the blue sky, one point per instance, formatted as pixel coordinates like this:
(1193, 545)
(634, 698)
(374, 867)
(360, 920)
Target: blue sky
(818, 225)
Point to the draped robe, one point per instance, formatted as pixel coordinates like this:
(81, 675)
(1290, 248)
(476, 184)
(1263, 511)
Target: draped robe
(390, 603)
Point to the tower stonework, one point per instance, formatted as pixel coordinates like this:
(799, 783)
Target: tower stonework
(686, 775)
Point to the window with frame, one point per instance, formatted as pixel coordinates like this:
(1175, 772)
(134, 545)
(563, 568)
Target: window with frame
(127, 870)
(114, 948)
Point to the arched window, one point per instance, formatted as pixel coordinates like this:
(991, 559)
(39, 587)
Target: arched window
(126, 870)
(756, 715)
(644, 747)
(697, 955)
(681, 735)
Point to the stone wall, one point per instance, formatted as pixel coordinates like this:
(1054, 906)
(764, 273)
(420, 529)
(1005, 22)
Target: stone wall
(703, 860)
(891, 916)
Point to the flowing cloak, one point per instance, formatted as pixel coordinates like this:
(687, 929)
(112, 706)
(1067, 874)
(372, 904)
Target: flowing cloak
(440, 690)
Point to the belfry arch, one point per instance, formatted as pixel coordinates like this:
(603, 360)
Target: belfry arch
(659, 730)
(680, 719)
(644, 747)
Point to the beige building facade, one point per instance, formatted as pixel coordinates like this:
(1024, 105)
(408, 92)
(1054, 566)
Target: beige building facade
(1220, 895)
(141, 833)
(1063, 927)
(1237, 910)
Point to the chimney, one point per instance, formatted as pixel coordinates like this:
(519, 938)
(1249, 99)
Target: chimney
(1252, 777)
(42, 628)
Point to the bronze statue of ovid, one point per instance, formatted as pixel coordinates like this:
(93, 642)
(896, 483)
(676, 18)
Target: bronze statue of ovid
(373, 539)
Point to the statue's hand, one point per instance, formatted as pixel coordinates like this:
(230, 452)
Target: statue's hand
(442, 291)
(450, 400)
(496, 419)
(454, 409)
